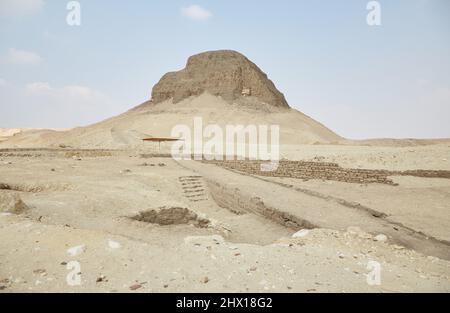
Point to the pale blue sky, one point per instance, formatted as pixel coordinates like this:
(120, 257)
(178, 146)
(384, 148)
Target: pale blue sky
(391, 80)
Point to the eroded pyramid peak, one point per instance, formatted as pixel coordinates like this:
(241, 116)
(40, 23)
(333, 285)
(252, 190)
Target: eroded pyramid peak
(224, 73)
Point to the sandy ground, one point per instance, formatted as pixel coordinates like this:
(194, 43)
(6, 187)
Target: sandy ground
(126, 220)
(426, 157)
(422, 204)
(88, 200)
(8, 133)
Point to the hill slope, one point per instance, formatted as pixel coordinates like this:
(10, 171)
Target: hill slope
(222, 87)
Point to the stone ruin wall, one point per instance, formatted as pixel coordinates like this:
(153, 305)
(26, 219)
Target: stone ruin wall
(326, 171)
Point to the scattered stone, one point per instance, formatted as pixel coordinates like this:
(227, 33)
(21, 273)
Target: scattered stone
(203, 240)
(135, 286)
(40, 271)
(365, 235)
(253, 269)
(204, 280)
(76, 250)
(114, 244)
(301, 233)
(101, 278)
(356, 231)
(12, 203)
(64, 263)
(380, 237)
(397, 247)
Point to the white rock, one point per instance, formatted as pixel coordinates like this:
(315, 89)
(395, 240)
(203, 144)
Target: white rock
(204, 240)
(355, 230)
(76, 250)
(301, 233)
(380, 237)
(114, 244)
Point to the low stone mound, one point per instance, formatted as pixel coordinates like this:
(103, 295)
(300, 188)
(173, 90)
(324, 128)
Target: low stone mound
(171, 216)
(11, 203)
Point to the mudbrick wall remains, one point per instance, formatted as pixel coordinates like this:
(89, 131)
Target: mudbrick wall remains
(325, 171)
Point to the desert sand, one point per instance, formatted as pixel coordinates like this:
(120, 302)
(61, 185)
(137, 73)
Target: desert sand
(100, 206)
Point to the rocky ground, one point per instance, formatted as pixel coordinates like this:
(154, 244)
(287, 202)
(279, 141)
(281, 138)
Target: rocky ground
(115, 221)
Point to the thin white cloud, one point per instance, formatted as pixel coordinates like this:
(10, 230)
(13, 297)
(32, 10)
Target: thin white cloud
(21, 57)
(79, 91)
(196, 12)
(38, 88)
(40, 104)
(78, 94)
(2, 82)
(20, 7)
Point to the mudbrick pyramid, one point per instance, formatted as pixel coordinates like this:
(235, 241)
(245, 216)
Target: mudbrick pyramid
(224, 73)
(223, 87)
